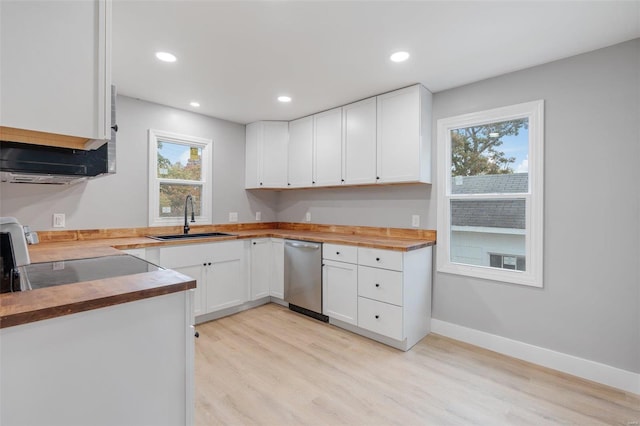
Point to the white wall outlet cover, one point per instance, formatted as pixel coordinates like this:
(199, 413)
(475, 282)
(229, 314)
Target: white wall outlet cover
(415, 220)
(307, 217)
(59, 220)
(258, 215)
(233, 216)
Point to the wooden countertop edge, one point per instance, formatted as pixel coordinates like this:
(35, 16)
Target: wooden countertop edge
(31, 306)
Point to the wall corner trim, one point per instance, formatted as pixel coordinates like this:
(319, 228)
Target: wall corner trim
(597, 372)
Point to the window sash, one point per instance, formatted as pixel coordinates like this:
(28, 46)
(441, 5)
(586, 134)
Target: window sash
(533, 198)
(155, 219)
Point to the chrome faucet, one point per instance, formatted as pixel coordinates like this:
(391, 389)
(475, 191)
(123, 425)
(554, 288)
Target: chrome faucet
(193, 216)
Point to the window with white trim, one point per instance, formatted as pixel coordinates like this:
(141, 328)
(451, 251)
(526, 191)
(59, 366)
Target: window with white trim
(490, 200)
(179, 165)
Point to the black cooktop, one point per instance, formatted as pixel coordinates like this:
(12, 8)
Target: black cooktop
(48, 274)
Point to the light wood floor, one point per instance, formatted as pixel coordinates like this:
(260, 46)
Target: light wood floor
(272, 366)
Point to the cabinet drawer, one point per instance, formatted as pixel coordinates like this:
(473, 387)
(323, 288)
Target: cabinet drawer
(377, 258)
(380, 284)
(381, 318)
(340, 253)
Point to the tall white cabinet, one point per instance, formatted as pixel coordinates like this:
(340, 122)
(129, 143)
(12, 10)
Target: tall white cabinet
(300, 153)
(266, 154)
(327, 148)
(359, 162)
(55, 67)
(404, 136)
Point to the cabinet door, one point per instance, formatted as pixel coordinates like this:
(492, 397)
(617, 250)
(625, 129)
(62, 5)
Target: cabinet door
(359, 155)
(55, 69)
(253, 156)
(260, 267)
(274, 154)
(399, 136)
(197, 273)
(225, 285)
(300, 152)
(276, 282)
(340, 291)
(327, 157)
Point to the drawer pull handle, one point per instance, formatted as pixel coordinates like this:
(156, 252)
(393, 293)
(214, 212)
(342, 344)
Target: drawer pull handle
(377, 259)
(377, 316)
(377, 285)
(209, 263)
(204, 264)
(337, 252)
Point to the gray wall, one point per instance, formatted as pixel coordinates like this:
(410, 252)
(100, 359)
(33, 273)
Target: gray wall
(390, 206)
(121, 200)
(590, 304)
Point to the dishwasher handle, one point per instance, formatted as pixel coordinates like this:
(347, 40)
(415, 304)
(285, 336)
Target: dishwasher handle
(303, 244)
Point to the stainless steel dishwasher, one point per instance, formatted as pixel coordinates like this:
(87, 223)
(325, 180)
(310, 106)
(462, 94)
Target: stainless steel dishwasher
(303, 277)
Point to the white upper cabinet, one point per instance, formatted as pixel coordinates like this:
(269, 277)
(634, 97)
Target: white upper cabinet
(359, 155)
(266, 154)
(404, 136)
(300, 152)
(327, 170)
(55, 67)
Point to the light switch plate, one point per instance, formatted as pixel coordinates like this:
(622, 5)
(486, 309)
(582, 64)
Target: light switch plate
(307, 217)
(415, 220)
(258, 215)
(233, 216)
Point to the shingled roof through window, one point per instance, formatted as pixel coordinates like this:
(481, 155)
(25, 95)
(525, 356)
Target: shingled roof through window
(489, 213)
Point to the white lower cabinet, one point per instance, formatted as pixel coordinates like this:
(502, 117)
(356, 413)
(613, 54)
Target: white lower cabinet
(382, 294)
(276, 273)
(260, 267)
(340, 291)
(219, 269)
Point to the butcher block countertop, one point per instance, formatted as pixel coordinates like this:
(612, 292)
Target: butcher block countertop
(29, 306)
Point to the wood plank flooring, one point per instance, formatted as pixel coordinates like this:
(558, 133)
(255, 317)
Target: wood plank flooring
(271, 366)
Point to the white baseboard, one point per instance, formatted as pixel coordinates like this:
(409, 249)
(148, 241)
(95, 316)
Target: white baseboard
(584, 368)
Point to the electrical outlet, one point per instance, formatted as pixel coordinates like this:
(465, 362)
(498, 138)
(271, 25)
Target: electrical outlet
(415, 220)
(58, 220)
(258, 215)
(307, 217)
(233, 216)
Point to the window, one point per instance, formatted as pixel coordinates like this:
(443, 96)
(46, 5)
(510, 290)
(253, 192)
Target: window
(490, 182)
(179, 165)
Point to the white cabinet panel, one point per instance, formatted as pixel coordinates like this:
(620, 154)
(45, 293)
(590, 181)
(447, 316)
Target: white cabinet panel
(274, 154)
(55, 67)
(260, 267)
(359, 157)
(340, 253)
(300, 152)
(328, 148)
(276, 284)
(266, 154)
(196, 272)
(340, 291)
(381, 318)
(378, 258)
(403, 136)
(380, 284)
(225, 286)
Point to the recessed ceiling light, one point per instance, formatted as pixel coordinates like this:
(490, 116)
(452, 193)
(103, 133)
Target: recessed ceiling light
(284, 98)
(166, 56)
(399, 56)
(195, 104)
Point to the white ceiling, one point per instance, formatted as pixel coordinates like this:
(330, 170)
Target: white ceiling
(236, 57)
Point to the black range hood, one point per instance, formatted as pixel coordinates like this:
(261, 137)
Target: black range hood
(29, 163)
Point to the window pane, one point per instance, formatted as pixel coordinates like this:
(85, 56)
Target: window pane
(178, 161)
(490, 158)
(173, 196)
(482, 228)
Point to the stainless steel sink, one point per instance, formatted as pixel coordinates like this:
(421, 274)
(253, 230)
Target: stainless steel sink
(189, 236)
